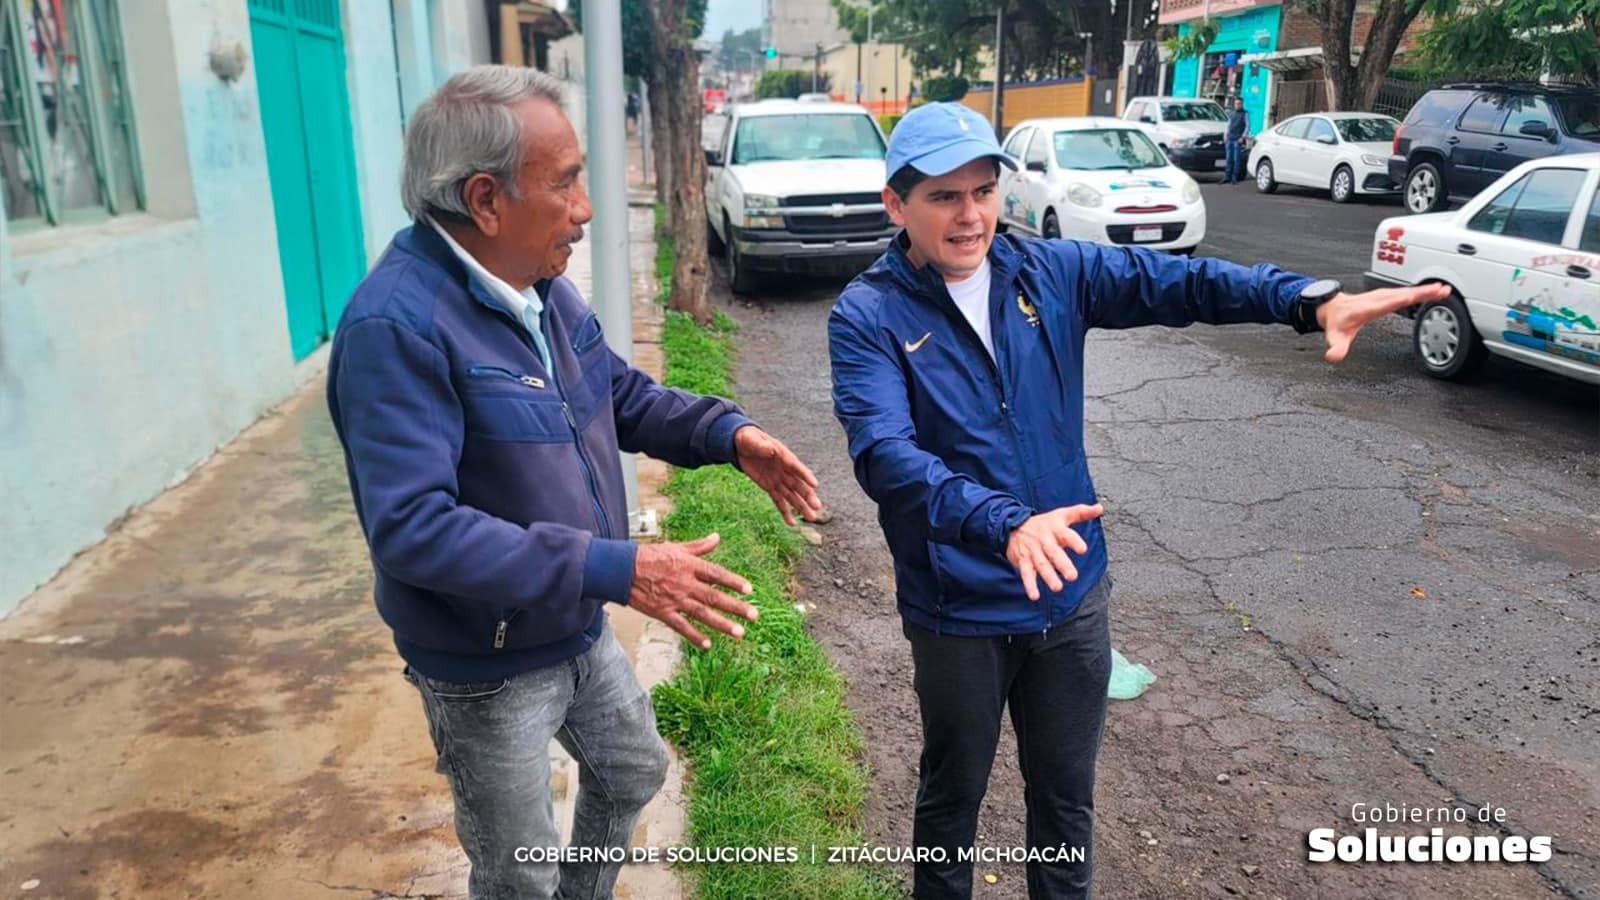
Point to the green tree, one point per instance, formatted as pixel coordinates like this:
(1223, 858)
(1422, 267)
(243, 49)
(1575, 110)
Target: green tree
(789, 83)
(1515, 40)
(739, 50)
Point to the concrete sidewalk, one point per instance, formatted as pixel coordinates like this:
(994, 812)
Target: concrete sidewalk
(206, 704)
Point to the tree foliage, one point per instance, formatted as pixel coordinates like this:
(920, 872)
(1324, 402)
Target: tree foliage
(789, 83)
(1515, 40)
(740, 50)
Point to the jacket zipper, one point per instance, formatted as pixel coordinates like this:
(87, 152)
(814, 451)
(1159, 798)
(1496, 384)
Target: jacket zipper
(532, 381)
(1000, 388)
(506, 618)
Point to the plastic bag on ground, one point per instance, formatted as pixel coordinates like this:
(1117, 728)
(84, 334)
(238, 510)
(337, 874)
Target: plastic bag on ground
(1128, 679)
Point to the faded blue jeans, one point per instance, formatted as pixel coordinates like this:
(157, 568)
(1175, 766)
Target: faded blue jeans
(493, 743)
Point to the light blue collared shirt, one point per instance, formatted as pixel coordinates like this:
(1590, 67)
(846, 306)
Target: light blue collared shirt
(527, 306)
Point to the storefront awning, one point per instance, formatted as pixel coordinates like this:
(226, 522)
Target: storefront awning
(1298, 60)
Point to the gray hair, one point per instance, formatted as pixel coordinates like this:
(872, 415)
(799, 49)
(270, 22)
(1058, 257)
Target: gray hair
(464, 128)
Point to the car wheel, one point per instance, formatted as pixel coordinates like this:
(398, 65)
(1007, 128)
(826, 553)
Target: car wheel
(1446, 344)
(1264, 180)
(1425, 189)
(1052, 227)
(1343, 186)
(714, 244)
(741, 279)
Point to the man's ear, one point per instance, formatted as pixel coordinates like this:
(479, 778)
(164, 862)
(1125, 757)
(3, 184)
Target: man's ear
(483, 196)
(894, 206)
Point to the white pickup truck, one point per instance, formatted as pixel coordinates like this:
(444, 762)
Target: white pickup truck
(797, 188)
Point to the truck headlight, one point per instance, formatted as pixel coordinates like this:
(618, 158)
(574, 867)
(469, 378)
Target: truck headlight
(1180, 143)
(761, 211)
(1191, 191)
(1083, 195)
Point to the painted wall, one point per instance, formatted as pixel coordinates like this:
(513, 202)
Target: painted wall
(132, 349)
(1253, 31)
(1032, 100)
(372, 76)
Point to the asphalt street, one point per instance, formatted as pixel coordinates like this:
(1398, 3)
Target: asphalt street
(1358, 585)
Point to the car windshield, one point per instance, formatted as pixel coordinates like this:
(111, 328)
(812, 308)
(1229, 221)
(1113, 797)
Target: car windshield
(1192, 112)
(1582, 115)
(1358, 131)
(806, 136)
(1107, 148)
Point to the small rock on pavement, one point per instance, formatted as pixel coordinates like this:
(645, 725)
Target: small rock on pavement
(824, 517)
(1250, 870)
(1223, 778)
(838, 582)
(30, 884)
(990, 878)
(1144, 833)
(812, 536)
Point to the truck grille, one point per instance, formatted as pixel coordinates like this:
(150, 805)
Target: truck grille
(830, 199)
(846, 224)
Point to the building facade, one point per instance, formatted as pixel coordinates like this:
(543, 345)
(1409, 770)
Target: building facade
(191, 188)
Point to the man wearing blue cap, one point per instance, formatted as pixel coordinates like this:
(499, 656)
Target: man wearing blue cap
(958, 378)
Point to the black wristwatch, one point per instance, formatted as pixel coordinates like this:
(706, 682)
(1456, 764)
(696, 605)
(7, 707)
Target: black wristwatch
(1304, 315)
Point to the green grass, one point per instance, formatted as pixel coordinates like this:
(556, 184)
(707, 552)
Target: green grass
(773, 753)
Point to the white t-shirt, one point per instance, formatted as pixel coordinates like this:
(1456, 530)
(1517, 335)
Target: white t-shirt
(972, 298)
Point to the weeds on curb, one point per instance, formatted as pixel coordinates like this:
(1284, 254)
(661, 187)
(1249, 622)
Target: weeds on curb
(772, 750)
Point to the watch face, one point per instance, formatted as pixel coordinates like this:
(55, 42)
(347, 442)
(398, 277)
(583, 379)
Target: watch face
(1321, 291)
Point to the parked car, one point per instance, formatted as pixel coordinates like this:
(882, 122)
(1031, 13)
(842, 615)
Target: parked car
(797, 187)
(1098, 179)
(1344, 153)
(1189, 131)
(1458, 139)
(1524, 260)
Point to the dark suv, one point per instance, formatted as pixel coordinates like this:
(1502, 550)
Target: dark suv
(1459, 138)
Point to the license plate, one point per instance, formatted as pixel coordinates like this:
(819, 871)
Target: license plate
(1142, 233)
(1221, 163)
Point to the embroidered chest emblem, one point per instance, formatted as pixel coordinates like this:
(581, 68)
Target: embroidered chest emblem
(1028, 312)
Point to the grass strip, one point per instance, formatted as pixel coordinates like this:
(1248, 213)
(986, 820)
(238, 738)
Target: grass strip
(773, 752)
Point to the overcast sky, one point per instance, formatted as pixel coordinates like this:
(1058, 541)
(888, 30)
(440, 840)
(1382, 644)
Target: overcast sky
(736, 14)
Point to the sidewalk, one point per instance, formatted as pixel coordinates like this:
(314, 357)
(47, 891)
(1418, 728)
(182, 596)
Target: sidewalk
(206, 704)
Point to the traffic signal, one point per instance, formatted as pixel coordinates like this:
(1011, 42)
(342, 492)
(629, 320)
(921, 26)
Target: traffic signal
(770, 52)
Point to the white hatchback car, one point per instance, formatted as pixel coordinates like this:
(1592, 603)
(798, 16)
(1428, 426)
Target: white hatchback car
(1098, 179)
(1524, 259)
(1343, 153)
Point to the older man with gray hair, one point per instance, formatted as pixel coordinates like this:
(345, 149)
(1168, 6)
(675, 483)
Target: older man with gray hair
(481, 414)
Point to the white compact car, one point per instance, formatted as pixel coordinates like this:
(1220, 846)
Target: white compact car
(1098, 179)
(1524, 259)
(797, 187)
(1343, 153)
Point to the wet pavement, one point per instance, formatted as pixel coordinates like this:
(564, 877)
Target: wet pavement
(1356, 584)
(206, 704)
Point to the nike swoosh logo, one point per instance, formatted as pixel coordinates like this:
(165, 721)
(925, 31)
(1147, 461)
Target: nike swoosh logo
(912, 348)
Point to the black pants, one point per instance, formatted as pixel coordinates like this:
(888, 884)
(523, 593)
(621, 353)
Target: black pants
(1055, 687)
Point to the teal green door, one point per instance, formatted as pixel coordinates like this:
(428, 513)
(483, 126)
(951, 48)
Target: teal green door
(305, 115)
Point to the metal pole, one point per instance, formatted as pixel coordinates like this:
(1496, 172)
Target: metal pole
(1000, 71)
(612, 291)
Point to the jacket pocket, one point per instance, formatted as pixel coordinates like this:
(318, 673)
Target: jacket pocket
(464, 692)
(587, 335)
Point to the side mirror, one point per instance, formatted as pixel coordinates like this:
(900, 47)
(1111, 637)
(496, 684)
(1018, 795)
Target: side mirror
(713, 158)
(1036, 165)
(1327, 139)
(1147, 120)
(1537, 128)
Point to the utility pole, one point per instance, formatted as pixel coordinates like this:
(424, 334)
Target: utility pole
(1000, 71)
(816, 68)
(611, 293)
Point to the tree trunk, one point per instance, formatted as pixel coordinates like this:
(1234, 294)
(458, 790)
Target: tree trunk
(1355, 86)
(1338, 76)
(660, 140)
(1389, 24)
(676, 68)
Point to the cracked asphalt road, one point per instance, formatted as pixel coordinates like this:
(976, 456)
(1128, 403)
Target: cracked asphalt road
(1356, 584)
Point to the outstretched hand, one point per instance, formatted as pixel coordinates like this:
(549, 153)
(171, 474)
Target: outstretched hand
(1035, 547)
(1345, 315)
(776, 470)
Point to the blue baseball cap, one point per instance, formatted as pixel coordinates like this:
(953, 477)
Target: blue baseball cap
(937, 138)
